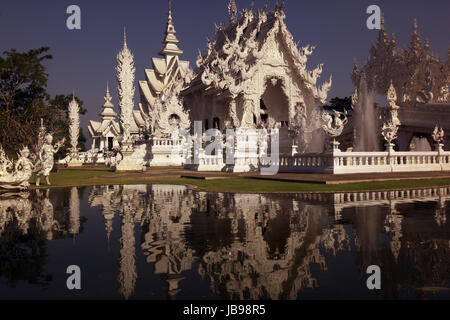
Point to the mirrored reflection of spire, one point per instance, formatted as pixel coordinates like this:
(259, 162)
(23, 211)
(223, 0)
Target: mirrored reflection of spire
(74, 212)
(393, 225)
(107, 198)
(127, 268)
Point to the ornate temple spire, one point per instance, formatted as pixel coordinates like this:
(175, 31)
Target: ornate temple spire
(382, 35)
(416, 41)
(74, 127)
(170, 40)
(125, 77)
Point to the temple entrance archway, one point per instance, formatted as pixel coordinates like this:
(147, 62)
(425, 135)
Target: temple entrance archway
(274, 107)
(274, 103)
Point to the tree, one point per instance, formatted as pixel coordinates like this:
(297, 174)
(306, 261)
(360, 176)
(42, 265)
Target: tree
(340, 104)
(23, 83)
(24, 101)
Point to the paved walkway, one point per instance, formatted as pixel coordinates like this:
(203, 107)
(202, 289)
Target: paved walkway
(167, 173)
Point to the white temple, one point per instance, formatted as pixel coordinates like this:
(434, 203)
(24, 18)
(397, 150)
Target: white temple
(104, 134)
(251, 96)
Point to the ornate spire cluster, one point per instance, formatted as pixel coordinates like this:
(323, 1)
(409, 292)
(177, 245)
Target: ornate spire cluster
(417, 75)
(74, 127)
(125, 77)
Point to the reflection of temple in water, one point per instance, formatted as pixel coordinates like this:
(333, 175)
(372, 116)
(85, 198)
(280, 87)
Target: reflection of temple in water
(247, 246)
(260, 246)
(27, 221)
(26, 213)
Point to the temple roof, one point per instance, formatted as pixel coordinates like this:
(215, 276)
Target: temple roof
(235, 53)
(165, 73)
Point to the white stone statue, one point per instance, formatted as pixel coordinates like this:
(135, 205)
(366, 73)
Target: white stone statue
(45, 161)
(334, 122)
(392, 100)
(17, 175)
(389, 132)
(438, 135)
(390, 127)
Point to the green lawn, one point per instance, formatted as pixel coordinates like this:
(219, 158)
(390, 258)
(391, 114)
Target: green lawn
(87, 177)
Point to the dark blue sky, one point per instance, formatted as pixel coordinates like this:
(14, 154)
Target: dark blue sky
(85, 60)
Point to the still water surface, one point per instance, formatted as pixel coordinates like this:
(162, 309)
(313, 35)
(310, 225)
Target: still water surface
(171, 242)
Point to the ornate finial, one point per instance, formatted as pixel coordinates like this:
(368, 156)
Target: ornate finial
(108, 97)
(393, 40)
(232, 9)
(252, 5)
(170, 19)
(392, 95)
(125, 37)
(266, 5)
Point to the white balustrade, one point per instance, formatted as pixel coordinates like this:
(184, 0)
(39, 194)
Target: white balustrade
(364, 162)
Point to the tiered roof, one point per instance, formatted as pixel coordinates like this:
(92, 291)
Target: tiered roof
(165, 75)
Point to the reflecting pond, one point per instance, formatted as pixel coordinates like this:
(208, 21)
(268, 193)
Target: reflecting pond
(173, 242)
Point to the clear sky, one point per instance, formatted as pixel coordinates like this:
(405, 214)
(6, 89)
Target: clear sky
(85, 60)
